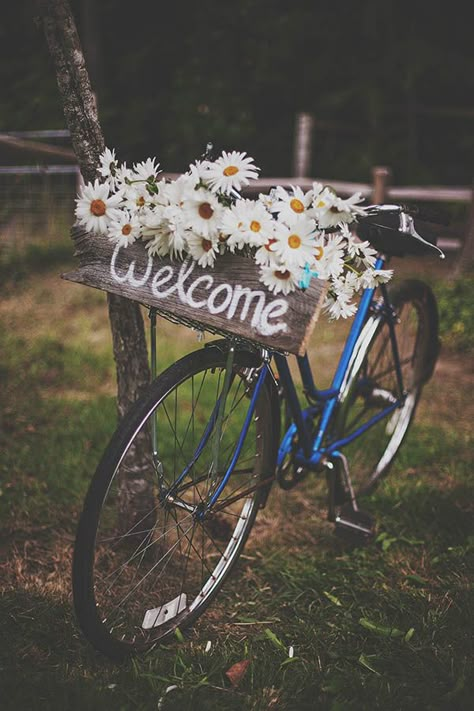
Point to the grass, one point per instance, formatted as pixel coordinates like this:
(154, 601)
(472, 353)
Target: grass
(384, 626)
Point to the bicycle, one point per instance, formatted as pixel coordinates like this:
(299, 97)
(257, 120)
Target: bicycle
(202, 449)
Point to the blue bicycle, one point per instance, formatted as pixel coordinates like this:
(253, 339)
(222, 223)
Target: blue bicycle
(201, 450)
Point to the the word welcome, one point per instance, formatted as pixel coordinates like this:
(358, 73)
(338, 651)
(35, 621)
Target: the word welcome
(230, 301)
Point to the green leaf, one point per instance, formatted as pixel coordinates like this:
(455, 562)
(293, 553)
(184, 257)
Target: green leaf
(381, 630)
(364, 660)
(332, 598)
(274, 639)
(409, 634)
(179, 635)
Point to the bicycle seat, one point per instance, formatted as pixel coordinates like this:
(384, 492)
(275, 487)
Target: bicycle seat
(395, 233)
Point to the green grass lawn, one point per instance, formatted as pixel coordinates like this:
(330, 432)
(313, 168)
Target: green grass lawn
(388, 626)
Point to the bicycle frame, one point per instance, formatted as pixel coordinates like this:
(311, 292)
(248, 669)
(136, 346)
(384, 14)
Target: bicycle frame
(311, 453)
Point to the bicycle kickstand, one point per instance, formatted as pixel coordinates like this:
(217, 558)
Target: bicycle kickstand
(350, 521)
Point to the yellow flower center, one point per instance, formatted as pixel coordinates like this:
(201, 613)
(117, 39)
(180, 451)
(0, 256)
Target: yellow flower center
(319, 253)
(98, 208)
(296, 205)
(206, 245)
(205, 211)
(321, 203)
(140, 201)
(282, 275)
(230, 170)
(255, 226)
(126, 229)
(294, 241)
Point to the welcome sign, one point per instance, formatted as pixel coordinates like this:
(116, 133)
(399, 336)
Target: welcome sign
(228, 297)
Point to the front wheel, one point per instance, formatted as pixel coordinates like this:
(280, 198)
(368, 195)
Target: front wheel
(371, 384)
(142, 568)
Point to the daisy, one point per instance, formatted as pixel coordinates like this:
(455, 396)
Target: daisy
(328, 256)
(95, 207)
(197, 172)
(247, 223)
(290, 205)
(268, 200)
(339, 307)
(203, 212)
(230, 172)
(370, 278)
(125, 229)
(265, 255)
(295, 242)
(280, 279)
(331, 210)
(176, 228)
(203, 249)
(135, 197)
(108, 165)
(122, 176)
(146, 170)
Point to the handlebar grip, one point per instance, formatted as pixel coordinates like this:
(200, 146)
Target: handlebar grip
(435, 215)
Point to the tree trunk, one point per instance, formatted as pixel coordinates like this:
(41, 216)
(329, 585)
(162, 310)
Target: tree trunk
(80, 111)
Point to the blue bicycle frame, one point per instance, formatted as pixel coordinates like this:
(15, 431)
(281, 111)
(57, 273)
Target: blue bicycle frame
(312, 449)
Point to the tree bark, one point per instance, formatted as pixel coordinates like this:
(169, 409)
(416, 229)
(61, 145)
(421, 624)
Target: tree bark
(80, 111)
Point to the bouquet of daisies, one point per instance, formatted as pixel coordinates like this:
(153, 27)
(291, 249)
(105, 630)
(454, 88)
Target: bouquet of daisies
(292, 235)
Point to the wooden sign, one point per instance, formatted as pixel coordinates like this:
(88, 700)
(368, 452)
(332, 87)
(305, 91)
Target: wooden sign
(228, 298)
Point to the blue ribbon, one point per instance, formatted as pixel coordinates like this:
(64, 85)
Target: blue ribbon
(306, 277)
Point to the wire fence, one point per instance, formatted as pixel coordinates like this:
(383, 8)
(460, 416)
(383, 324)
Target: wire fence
(37, 200)
(36, 206)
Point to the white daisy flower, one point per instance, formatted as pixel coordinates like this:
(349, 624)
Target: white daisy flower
(230, 172)
(265, 255)
(247, 223)
(331, 210)
(203, 249)
(124, 229)
(159, 245)
(339, 307)
(370, 278)
(135, 197)
(203, 212)
(108, 165)
(328, 256)
(197, 172)
(175, 192)
(295, 241)
(280, 279)
(122, 176)
(268, 200)
(290, 205)
(95, 207)
(146, 170)
(176, 227)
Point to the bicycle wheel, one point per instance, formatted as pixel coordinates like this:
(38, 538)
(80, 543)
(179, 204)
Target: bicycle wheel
(371, 383)
(137, 578)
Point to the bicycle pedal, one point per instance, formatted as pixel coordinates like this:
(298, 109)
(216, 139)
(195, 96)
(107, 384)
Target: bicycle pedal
(356, 524)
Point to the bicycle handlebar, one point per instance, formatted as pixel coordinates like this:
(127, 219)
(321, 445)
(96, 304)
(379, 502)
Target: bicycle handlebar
(434, 215)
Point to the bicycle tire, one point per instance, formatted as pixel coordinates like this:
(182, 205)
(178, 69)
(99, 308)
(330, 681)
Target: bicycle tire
(170, 561)
(371, 381)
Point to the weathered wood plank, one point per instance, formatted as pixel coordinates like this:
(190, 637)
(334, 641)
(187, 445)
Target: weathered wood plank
(228, 298)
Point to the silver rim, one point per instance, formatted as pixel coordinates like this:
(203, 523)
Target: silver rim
(161, 569)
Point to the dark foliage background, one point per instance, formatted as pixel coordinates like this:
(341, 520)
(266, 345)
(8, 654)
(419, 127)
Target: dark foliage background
(389, 82)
